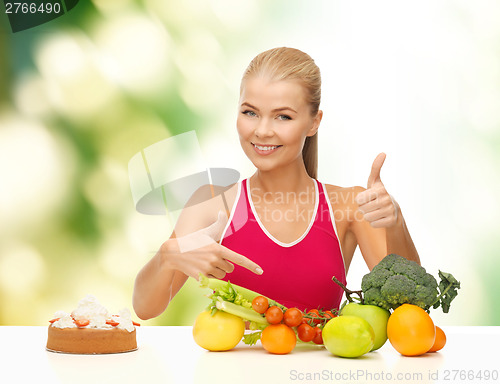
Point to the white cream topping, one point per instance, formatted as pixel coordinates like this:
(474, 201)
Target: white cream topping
(125, 320)
(90, 309)
(65, 320)
(97, 315)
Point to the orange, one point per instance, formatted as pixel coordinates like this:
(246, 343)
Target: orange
(410, 330)
(278, 338)
(440, 340)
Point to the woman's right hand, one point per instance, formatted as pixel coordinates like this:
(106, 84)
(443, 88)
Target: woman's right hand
(200, 252)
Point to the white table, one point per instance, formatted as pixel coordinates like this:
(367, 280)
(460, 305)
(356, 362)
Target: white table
(169, 355)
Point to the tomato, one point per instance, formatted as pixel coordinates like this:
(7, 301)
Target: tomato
(440, 340)
(260, 304)
(318, 338)
(314, 314)
(305, 332)
(278, 338)
(274, 315)
(410, 330)
(328, 315)
(219, 332)
(293, 317)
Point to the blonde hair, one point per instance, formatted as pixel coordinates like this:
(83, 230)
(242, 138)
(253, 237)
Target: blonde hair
(292, 64)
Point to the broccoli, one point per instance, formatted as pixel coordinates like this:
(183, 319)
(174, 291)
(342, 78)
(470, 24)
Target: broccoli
(395, 281)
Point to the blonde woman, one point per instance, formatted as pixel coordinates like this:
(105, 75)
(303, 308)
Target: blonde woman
(280, 232)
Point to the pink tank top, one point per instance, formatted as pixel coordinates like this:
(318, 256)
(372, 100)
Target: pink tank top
(297, 274)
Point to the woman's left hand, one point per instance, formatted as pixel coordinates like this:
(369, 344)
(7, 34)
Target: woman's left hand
(375, 203)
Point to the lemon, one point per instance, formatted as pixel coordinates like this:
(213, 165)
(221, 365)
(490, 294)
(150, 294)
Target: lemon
(219, 332)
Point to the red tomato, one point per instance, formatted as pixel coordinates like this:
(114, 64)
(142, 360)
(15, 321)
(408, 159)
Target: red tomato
(318, 337)
(260, 304)
(293, 317)
(306, 332)
(274, 315)
(316, 318)
(329, 315)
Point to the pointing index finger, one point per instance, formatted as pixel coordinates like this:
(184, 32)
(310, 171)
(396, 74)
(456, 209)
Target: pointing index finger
(241, 260)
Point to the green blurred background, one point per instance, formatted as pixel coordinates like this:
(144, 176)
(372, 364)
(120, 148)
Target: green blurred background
(79, 96)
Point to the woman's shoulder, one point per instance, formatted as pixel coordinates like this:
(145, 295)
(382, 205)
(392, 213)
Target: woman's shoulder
(342, 194)
(203, 207)
(343, 202)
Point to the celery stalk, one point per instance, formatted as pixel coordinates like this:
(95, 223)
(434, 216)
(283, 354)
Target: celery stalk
(238, 310)
(216, 284)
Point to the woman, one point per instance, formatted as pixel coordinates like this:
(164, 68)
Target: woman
(280, 232)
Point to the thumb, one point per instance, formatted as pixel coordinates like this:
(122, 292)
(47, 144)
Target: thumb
(375, 172)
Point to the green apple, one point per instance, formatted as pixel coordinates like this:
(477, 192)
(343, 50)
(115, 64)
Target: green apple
(348, 336)
(376, 316)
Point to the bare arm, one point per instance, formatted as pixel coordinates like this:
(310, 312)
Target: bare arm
(378, 223)
(191, 250)
(399, 240)
(377, 242)
(156, 284)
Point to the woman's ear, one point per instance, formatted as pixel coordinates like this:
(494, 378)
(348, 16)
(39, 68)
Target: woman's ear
(316, 123)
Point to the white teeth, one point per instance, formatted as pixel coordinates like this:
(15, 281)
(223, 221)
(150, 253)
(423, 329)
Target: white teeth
(265, 148)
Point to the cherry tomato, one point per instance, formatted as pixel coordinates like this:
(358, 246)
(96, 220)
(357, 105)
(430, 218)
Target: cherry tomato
(318, 337)
(293, 317)
(260, 304)
(329, 315)
(274, 315)
(316, 318)
(306, 332)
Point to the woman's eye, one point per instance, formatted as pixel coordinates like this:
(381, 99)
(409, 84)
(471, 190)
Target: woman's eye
(284, 117)
(249, 113)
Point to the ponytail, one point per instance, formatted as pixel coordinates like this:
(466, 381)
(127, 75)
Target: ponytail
(310, 155)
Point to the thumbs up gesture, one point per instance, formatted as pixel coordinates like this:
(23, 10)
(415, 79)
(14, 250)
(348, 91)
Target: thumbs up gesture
(376, 205)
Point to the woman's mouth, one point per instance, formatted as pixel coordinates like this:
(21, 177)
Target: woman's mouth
(265, 149)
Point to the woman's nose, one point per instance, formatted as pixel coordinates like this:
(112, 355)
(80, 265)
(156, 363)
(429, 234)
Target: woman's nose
(264, 128)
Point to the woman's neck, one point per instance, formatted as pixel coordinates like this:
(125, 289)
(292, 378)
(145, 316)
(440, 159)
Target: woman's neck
(293, 179)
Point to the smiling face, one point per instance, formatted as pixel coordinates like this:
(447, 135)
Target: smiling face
(273, 122)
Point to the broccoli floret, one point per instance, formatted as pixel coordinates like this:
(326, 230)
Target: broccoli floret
(396, 281)
(388, 261)
(374, 297)
(398, 289)
(423, 292)
(409, 268)
(375, 280)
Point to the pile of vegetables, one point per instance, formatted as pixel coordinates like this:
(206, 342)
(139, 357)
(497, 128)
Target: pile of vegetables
(405, 288)
(272, 323)
(393, 303)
